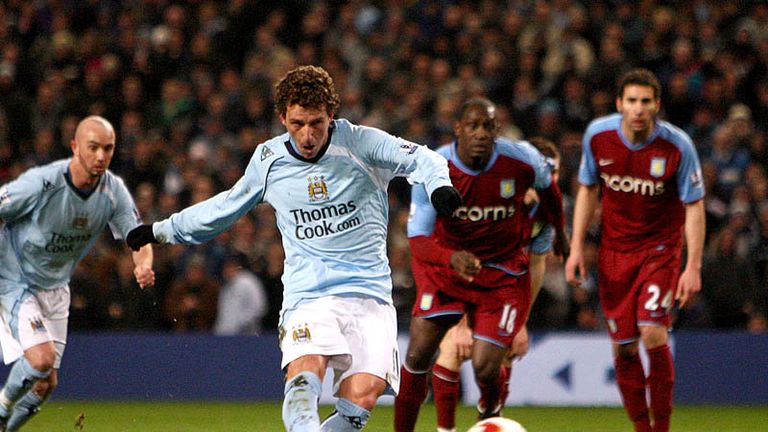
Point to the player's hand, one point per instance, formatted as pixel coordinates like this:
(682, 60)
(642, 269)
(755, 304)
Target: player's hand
(462, 337)
(560, 245)
(519, 347)
(466, 265)
(575, 263)
(688, 286)
(145, 276)
(445, 199)
(140, 236)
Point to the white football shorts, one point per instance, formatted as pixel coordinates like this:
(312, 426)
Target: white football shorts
(359, 334)
(31, 317)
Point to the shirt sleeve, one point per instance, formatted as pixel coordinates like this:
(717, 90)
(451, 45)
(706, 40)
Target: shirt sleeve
(587, 168)
(207, 219)
(690, 183)
(403, 158)
(18, 198)
(126, 216)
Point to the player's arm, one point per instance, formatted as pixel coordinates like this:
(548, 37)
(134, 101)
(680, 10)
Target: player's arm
(695, 233)
(586, 203)
(18, 197)
(421, 223)
(551, 202)
(142, 261)
(419, 164)
(207, 219)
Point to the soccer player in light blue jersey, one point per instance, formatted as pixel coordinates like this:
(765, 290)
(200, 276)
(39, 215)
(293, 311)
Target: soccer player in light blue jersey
(50, 217)
(327, 181)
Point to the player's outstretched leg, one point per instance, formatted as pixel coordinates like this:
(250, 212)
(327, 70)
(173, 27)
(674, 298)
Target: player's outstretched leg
(20, 380)
(348, 417)
(445, 392)
(300, 403)
(660, 382)
(631, 380)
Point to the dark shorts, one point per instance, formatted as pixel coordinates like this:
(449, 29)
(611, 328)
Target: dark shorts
(637, 289)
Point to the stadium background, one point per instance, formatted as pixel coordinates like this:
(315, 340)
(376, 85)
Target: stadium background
(187, 85)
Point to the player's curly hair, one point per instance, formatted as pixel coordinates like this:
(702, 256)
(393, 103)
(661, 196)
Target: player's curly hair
(639, 76)
(307, 86)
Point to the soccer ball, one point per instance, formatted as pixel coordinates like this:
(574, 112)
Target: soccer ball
(497, 424)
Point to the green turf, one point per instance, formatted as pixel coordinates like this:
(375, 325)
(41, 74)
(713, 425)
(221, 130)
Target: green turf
(265, 417)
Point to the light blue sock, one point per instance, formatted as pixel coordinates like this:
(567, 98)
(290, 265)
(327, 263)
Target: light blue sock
(20, 380)
(300, 403)
(24, 409)
(348, 417)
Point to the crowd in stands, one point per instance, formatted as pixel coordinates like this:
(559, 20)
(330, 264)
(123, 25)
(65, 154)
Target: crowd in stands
(188, 87)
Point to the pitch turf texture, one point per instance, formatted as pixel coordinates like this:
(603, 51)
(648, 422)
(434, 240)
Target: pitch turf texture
(265, 417)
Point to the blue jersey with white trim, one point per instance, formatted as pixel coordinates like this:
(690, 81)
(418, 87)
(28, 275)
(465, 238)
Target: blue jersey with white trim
(332, 212)
(48, 226)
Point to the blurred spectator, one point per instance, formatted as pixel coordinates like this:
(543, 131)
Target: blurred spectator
(192, 300)
(242, 300)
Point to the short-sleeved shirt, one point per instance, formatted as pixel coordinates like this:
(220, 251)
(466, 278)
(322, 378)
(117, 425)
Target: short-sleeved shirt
(644, 186)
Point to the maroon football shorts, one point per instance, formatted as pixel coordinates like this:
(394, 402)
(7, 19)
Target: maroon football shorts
(637, 289)
(494, 315)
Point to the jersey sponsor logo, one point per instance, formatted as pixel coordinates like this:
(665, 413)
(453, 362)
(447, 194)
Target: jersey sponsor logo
(265, 152)
(604, 162)
(66, 243)
(477, 213)
(507, 188)
(425, 303)
(301, 334)
(315, 223)
(658, 166)
(5, 197)
(631, 184)
(612, 327)
(47, 185)
(317, 189)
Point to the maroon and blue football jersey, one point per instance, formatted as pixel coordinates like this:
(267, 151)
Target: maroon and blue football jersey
(644, 186)
(493, 222)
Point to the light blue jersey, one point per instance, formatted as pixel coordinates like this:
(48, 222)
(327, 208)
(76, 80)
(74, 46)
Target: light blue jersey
(48, 225)
(332, 212)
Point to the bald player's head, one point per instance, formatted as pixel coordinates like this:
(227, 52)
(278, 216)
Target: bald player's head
(92, 149)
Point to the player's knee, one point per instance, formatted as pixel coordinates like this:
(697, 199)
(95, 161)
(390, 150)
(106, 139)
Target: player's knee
(653, 336)
(486, 372)
(41, 360)
(417, 359)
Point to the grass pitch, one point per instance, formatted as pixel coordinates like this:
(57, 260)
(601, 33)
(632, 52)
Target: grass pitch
(265, 417)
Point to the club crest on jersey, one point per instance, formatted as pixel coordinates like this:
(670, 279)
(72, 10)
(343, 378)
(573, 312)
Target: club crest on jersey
(318, 190)
(507, 188)
(37, 325)
(80, 222)
(658, 166)
(302, 334)
(265, 152)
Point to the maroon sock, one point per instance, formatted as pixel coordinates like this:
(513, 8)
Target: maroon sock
(631, 380)
(445, 392)
(506, 372)
(660, 383)
(413, 391)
